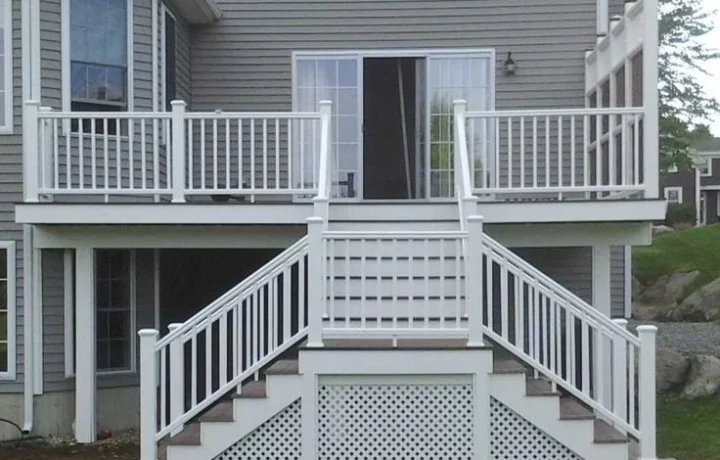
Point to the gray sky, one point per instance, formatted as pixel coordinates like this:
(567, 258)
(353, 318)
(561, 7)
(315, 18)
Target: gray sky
(712, 82)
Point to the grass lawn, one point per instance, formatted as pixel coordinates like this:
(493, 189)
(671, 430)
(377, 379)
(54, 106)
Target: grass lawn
(689, 430)
(685, 250)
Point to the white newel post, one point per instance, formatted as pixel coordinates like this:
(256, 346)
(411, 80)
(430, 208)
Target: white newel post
(46, 150)
(646, 392)
(177, 377)
(31, 150)
(474, 281)
(148, 392)
(178, 151)
(620, 370)
(459, 109)
(316, 300)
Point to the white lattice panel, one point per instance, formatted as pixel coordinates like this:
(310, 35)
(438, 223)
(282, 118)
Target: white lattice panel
(514, 438)
(391, 421)
(276, 439)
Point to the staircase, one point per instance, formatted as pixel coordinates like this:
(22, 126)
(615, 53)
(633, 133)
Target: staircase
(380, 324)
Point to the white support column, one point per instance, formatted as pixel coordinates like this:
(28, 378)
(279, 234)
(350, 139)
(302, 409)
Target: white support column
(481, 402)
(601, 278)
(619, 373)
(474, 281)
(698, 207)
(148, 394)
(602, 345)
(178, 151)
(85, 342)
(651, 140)
(309, 416)
(646, 393)
(603, 17)
(31, 151)
(316, 281)
(177, 377)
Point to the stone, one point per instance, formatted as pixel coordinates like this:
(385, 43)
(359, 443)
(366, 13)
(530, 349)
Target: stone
(702, 305)
(637, 288)
(658, 230)
(703, 379)
(658, 300)
(671, 370)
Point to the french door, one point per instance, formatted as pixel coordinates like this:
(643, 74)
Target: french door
(337, 78)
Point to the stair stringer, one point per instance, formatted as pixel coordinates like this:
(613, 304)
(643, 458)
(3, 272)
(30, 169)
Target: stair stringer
(249, 414)
(544, 413)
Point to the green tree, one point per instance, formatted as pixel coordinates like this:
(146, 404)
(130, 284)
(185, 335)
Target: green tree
(683, 100)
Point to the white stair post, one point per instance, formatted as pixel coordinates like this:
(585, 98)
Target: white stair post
(45, 157)
(177, 377)
(646, 392)
(316, 281)
(474, 281)
(178, 151)
(619, 373)
(148, 392)
(31, 150)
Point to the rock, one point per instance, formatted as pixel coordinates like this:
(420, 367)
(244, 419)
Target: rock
(658, 300)
(702, 305)
(637, 288)
(704, 377)
(671, 370)
(658, 230)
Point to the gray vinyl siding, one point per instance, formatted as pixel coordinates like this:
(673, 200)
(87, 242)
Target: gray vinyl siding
(616, 7)
(54, 319)
(11, 193)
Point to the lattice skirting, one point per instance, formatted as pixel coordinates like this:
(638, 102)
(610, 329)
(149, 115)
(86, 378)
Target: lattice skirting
(276, 439)
(399, 422)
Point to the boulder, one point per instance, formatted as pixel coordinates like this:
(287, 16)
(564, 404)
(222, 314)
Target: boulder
(702, 305)
(658, 230)
(704, 377)
(658, 300)
(637, 288)
(671, 370)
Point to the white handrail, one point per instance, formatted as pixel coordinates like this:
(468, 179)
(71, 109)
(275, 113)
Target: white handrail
(325, 166)
(554, 112)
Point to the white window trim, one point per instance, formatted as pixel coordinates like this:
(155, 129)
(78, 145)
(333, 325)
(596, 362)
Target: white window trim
(717, 204)
(679, 191)
(708, 172)
(8, 128)
(10, 374)
(65, 55)
(703, 209)
(69, 307)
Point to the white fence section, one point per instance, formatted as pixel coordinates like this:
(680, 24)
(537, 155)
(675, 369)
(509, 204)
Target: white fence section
(172, 154)
(555, 151)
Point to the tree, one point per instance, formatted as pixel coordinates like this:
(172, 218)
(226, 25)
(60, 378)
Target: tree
(683, 101)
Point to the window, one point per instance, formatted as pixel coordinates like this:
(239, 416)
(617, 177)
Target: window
(6, 72)
(703, 209)
(673, 169)
(98, 54)
(673, 194)
(706, 168)
(169, 85)
(115, 310)
(7, 310)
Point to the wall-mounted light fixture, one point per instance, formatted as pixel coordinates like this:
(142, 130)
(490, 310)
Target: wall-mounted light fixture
(509, 66)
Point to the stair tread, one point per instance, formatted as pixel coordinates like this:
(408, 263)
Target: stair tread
(284, 367)
(189, 436)
(539, 387)
(571, 409)
(606, 434)
(221, 412)
(401, 344)
(254, 389)
(508, 366)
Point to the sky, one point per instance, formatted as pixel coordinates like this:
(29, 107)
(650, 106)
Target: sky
(711, 82)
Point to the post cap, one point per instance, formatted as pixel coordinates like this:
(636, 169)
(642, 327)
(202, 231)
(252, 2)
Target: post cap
(178, 103)
(459, 102)
(647, 329)
(148, 333)
(325, 102)
(620, 322)
(173, 326)
(476, 219)
(315, 220)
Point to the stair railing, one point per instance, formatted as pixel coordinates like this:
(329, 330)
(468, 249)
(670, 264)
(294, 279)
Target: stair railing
(220, 347)
(560, 336)
(321, 202)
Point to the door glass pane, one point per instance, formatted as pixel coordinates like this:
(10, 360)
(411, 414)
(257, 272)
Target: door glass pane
(452, 77)
(337, 80)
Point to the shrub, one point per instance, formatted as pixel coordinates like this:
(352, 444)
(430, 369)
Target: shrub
(678, 214)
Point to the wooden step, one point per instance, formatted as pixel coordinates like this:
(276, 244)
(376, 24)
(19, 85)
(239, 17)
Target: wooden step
(572, 409)
(256, 389)
(606, 434)
(189, 436)
(284, 367)
(505, 365)
(539, 387)
(221, 412)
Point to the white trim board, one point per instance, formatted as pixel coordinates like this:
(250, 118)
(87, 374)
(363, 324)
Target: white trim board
(11, 306)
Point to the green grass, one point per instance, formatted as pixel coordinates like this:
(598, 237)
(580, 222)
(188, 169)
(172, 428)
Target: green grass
(685, 250)
(688, 430)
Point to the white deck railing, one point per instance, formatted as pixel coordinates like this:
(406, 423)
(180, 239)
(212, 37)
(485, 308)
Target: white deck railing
(172, 154)
(555, 151)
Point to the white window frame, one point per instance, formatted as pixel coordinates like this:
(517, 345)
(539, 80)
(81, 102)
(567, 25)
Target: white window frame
(10, 374)
(703, 209)
(717, 204)
(65, 56)
(8, 127)
(668, 190)
(707, 171)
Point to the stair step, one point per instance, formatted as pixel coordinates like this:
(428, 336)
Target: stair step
(189, 436)
(571, 409)
(606, 434)
(508, 366)
(222, 412)
(539, 387)
(284, 367)
(256, 389)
